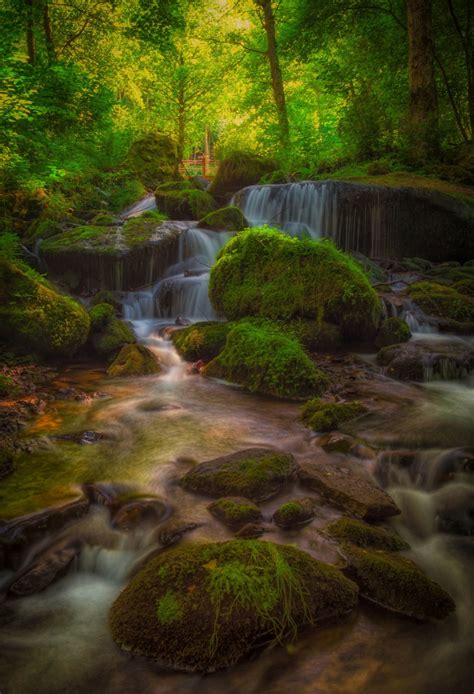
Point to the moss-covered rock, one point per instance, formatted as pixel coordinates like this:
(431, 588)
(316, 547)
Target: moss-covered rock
(182, 200)
(465, 287)
(235, 511)
(294, 513)
(264, 360)
(224, 219)
(393, 331)
(364, 535)
(105, 297)
(262, 272)
(255, 473)
(313, 335)
(34, 315)
(421, 360)
(134, 360)
(397, 584)
(238, 170)
(100, 316)
(325, 416)
(202, 340)
(203, 607)
(153, 159)
(110, 339)
(443, 301)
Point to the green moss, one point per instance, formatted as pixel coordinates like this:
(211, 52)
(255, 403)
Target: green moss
(139, 230)
(397, 583)
(83, 237)
(103, 220)
(153, 159)
(134, 360)
(104, 296)
(465, 286)
(442, 301)
(202, 340)
(324, 416)
(235, 511)
(183, 201)
(238, 170)
(36, 316)
(169, 609)
(7, 386)
(225, 219)
(255, 474)
(294, 513)
(314, 336)
(100, 316)
(264, 360)
(392, 332)
(112, 337)
(364, 535)
(236, 596)
(262, 272)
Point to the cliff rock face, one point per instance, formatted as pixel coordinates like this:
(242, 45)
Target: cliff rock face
(379, 221)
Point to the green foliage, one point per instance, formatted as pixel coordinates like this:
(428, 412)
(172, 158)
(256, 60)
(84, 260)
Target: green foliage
(364, 535)
(35, 316)
(392, 331)
(324, 416)
(265, 360)
(169, 609)
(153, 159)
(201, 340)
(9, 246)
(262, 272)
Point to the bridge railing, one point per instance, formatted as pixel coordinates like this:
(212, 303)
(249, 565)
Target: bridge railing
(199, 166)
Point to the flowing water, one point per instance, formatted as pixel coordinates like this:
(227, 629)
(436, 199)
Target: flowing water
(153, 428)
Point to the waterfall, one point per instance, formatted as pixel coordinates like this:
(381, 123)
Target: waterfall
(184, 290)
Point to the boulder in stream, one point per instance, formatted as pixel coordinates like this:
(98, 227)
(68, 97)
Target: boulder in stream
(224, 219)
(201, 341)
(134, 360)
(364, 535)
(294, 513)
(235, 511)
(204, 607)
(254, 473)
(421, 360)
(46, 568)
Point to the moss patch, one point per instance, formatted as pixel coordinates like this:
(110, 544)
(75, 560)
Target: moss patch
(224, 219)
(256, 474)
(238, 170)
(183, 201)
(218, 602)
(397, 584)
(153, 159)
(324, 416)
(294, 513)
(134, 360)
(393, 331)
(364, 535)
(262, 272)
(202, 340)
(235, 511)
(443, 301)
(112, 337)
(100, 316)
(35, 315)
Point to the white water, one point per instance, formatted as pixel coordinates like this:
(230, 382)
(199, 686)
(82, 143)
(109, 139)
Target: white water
(184, 291)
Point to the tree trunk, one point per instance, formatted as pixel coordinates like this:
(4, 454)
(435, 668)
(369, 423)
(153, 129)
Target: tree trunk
(48, 34)
(471, 97)
(422, 83)
(275, 70)
(30, 33)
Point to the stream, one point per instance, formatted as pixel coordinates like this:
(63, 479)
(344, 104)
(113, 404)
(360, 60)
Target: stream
(153, 428)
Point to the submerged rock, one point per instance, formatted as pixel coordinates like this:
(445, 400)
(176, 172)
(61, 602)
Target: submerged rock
(46, 568)
(348, 488)
(364, 535)
(138, 512)
(204, 607)
(235, 511)
(171, 532)
(421, 360)
(397, 583)
(255, 473)
(134, 360)
(294, 513)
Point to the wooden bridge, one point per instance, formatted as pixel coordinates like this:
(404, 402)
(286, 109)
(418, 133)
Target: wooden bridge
(199, 166)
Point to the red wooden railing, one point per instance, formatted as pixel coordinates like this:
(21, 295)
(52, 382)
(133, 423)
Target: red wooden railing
(199, 166)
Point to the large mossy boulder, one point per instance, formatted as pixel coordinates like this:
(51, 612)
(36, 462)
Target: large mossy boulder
(393, 331)
(254, 473)
(396, 583)
(264, 360)
(262, 272)
(314, 335)
(153, 159)
(224, 219)
(134, 360)
(443, 301)
(204, 607)
(108, 334)
(202, 340)
(182, 200)
(238, 170)
(325, 416)
(34, 315)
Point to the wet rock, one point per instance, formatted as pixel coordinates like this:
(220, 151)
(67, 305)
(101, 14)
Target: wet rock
(171, 532)
(182, 321)
(335, 442)
(134, 360)
(456, 464)
(455, 509)
(360, 450)
(364, 535)
(250, 531)
(203, 607)
(421, 360)
(139, 512)
(235, 511)
(396, 583)
(294, 513)
(254, 473)
(347, 487)
(45, 569)
(84, 438)
(105, 493)
(196, 368)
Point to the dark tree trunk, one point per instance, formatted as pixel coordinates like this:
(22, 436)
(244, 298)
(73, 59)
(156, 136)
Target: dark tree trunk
(48, 34)
(30, 32)
(275, 70)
